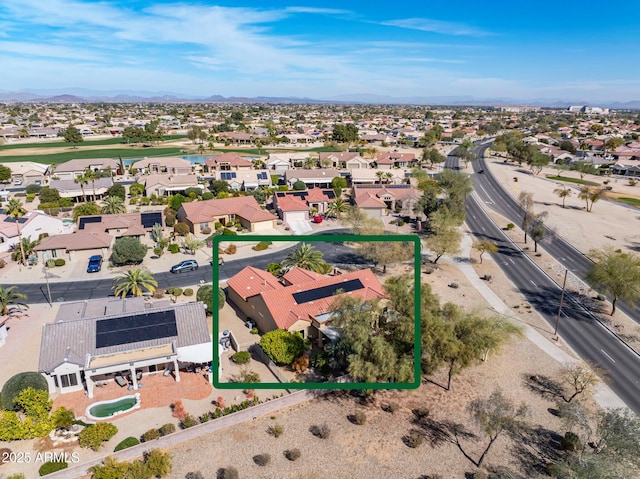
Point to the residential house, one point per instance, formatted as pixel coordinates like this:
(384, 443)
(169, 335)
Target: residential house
(70, 189)
(28, 172)
(227, 162)
(77, 247)
(32, 225)
(295, 205)
(302, 302)
(166, 184)
(320, 177)
(395, 176)
(204, 214)
(345, 159)
(137, 225)
(393, 159)
(626, 170)
(171, 165)
(380, 200)
(244, 180)
(99, 340)
(72, 168)
(285, 160)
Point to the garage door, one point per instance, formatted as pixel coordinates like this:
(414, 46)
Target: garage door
(292, 216)
(263, 226)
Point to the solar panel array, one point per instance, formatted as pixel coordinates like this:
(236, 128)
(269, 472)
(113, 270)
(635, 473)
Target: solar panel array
(8, 219)
(150, 219)
(133, 329)
(327, 291)
(227, 175)
(88, 219)
(262, 175)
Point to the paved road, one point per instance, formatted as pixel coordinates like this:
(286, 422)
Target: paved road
(335, 253)
(587, 336)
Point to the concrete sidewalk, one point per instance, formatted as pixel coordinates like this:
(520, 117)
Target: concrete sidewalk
(603, 395)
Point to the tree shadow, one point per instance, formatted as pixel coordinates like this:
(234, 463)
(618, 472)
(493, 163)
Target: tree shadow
(534, 448)
(442, 432)
(544, 386)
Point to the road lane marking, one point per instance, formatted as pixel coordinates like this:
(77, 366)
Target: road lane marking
(534, 284)
(512, 262)
(610, 358)
(485, 192)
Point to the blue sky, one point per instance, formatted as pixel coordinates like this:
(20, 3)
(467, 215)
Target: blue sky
(568, 50)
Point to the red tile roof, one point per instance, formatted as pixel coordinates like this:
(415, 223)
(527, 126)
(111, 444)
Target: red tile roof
(233, 160)
(251, 281)
(244, 206)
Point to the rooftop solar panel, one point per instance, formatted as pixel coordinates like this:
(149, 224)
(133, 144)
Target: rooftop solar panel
(133, 329)
(8, 219)
(150, 219)
(326, 291)
(88, 219)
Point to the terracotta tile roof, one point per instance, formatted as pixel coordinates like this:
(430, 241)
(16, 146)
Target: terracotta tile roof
(291, 203)
(83, 164)
(299, 275)
(394, 156)
(368, 199)
(304, 174)
(76, 241)
(109, 222)
(244, 206)
(167, 179)
(340, 156)
(251, 281)
(170, 161)
(232, 159)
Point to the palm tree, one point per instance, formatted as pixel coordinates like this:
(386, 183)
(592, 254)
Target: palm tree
(133, 281)
(388, 176)
(379, 175)
(15, 210)
(81, 180)
(91, 176)
(113, 205)
(305, 257)
(335, 209)
(563, 193)
(24, 251)
(9, 299)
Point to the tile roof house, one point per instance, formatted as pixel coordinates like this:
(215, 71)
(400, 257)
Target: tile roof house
(311, 178)
(28, 172)
(32, 225)
(344, 160)
(243, 179)
(227, 162)
(166, 184)
(370, 176)
(72, 168)
(70, 189)
(171, 164)
(295, 205)
(75, 246)
(97, 340)
(226, 210)
(126, 224)
(391, 159)
(301, 302)
(379, 200)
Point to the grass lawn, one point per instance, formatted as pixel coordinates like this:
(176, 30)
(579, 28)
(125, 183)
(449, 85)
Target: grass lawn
(573, 180)
(56, 158)
(64, 144)
(631, 201)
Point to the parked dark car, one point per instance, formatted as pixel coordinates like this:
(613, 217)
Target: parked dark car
(186, 265)
(95, 263)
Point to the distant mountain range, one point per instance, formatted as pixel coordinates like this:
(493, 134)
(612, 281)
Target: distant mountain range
(80, 95)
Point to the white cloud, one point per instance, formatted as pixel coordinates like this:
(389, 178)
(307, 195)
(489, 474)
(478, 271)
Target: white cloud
(436, 26)
(314, 10)
(49, 51)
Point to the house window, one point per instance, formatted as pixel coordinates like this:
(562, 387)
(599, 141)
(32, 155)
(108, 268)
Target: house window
(68, 380)
(301, 332)
(54, 253)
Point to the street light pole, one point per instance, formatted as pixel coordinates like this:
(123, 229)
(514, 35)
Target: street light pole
(46, 277)
(564, 283)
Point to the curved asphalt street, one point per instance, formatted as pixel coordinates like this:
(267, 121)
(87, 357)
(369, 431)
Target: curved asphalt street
(335, 253)
(581, 330)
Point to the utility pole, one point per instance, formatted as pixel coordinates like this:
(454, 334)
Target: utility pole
(46, 277)
(564, 283)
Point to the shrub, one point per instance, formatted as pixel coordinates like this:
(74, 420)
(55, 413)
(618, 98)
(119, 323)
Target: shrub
(292, 454)
(254, 330)
(174, 248)
(51, 263)
(510, 226)
(3, 263)
(178, 410)
(300, 364)
(262, 459)
(207, 195)
(33, 189)
(158, 293)
(188, 422)
(150, 435)
(400, 223)
(204, 417)
(421, 412)
(125, 443)
(205, 230)
(413, 439)
(174, 291)
(282, 346)
(194, 475)
(169, 220)
(187, 292)
(228, 473)
(59, 262)
(156, 463)
(128, 250)
(167, 429)
(261, 246)
(231, 249)
(241, 357)
(94, 435)
(17, 475)
(31, 197)
(275, 430)
(322, 431)
(359, 418)
(391, 407)
(182, 229)
(571, 442)
(454, 285)
(228, 232)
(52, 466)
(19, 382)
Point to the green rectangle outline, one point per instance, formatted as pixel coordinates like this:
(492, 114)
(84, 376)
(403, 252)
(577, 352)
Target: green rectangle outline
(310, 239)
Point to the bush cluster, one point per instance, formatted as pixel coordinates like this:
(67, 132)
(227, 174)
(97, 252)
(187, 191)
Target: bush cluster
(241, 357)
(150, 435)
(187, 292)
(322, 430)
(261, 246)
(292, 454)
(94, 435)
(167, 429)
(413, 439)
(188, 422)
(262, 459)
(228, 232)
(52, 466)
(125, 443)
(174, 248)
(276, 430)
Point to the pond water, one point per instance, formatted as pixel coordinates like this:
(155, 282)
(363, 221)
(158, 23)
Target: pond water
(104, 409)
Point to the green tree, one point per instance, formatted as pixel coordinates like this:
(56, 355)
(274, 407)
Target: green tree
(176, 201)
(133, 134)
(583, 168)
(205, 294)
(5, 173)
(337, 208)
(537, 161)
(495, 415)
(446, 234)
(355, 218)
(49, 195)
(537, 233)
(566, 145)
(485, 246)
(72, 135)
(86, 209)
(282, 346)
(113, 205)
(219, 186)
(93, 435)
(305, 256)
(616, 273)
(525, 200)
(192, 244)
(15, 211)
(432, 156)
(133, 281)
(128, 250)
(345, 133)
(299, 186)
(563, 192)
(338, 183)
(590, 195)
(26, 248)
(455, 186)
(78, 180)
(92, 176)
(117, 190)
(136, 189)
(19, 382)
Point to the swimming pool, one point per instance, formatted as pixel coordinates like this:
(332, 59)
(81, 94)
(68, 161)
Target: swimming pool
(105, 409)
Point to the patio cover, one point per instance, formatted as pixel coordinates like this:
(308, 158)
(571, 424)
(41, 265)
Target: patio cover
(197, 353)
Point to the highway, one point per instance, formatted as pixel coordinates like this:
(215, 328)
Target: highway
(581, 331)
